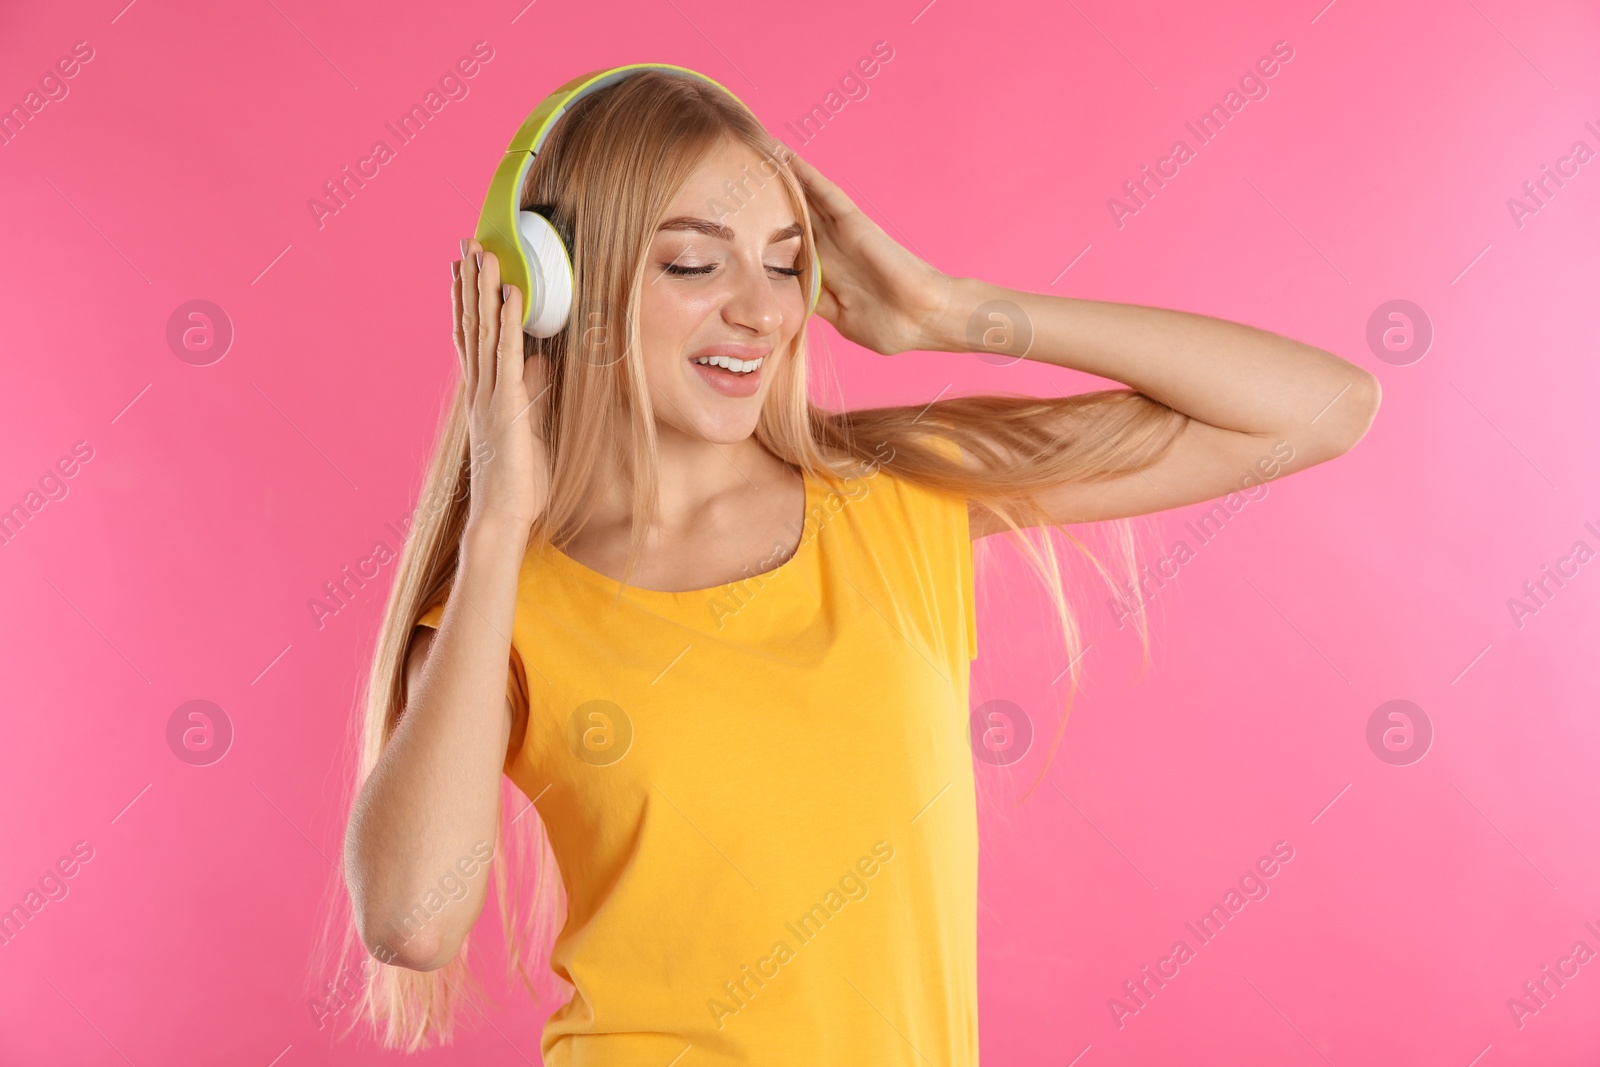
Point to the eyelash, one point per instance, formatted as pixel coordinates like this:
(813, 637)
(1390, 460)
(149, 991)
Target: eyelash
(673, 268)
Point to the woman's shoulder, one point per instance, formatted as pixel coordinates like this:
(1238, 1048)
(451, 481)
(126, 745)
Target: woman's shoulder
(897, 503)
(925, 493)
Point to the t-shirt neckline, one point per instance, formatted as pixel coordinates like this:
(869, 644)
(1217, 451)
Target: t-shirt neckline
(611, 585)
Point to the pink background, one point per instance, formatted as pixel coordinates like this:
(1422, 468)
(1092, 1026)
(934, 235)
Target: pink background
(219, 498)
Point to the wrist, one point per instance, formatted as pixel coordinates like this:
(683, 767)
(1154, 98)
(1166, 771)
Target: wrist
(960, 327)
(495, 536)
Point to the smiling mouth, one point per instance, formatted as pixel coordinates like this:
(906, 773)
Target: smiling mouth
(728, 375)
(731, 364)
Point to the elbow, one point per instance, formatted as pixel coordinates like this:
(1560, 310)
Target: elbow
(1350, 416)
(415, 939)
(399, 944)
(420, 957)
(393, 935)
(1366, 398)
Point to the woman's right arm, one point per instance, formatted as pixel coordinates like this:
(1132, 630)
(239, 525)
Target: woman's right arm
(429, 810)
(435, 792)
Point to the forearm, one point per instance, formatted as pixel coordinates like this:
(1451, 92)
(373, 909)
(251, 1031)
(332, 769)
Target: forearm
(1229, 375)
(435, 792)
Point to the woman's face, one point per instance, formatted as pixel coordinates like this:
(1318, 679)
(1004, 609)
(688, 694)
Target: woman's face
(723, 279)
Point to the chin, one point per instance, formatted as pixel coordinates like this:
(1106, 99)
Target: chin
(724, 431)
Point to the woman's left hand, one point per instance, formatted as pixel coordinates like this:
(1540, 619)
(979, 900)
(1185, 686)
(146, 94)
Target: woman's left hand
(874, 292)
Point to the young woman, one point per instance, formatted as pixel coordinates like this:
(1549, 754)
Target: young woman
(720, 637)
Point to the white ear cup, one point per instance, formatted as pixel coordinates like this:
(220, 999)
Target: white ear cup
(550, 303)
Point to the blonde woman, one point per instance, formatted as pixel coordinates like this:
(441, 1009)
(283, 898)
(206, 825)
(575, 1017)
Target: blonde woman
(720, 637)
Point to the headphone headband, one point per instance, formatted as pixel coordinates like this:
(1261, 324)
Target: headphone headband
(532, 255)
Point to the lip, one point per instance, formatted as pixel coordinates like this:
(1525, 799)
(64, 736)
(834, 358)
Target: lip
(720, 381)
(736, 351)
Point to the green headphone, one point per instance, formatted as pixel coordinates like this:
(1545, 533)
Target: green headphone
(531, 253)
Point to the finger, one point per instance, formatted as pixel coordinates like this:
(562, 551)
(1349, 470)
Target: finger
(488, 323)
(469, 318)
(822, 192)
(455, 312)
(508, 357)
(828, 306)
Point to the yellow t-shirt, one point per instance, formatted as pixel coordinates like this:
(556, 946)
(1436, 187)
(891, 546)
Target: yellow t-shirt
(761, 796)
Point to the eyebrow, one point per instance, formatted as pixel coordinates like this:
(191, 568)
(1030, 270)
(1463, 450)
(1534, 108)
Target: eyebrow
(723, 233)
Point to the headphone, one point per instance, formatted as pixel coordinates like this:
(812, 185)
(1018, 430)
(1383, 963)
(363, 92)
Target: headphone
(531, 252)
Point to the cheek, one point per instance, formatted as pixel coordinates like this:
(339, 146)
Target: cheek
(669, 320)
(667, 323)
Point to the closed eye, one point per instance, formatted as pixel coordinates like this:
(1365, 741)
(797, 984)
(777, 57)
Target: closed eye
(682, 271)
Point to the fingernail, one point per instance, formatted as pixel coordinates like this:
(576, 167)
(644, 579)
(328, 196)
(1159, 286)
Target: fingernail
(477, 257)
(463, 247)
(505, 292)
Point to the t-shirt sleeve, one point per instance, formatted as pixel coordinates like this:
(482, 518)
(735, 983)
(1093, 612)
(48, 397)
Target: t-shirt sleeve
(516, 686)
(959, 523)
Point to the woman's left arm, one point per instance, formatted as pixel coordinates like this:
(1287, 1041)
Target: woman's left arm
(1249, 393)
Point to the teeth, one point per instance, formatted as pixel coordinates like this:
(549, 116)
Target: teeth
(738, 366)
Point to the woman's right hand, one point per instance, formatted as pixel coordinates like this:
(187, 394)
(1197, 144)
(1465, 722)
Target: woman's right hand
(507, 397)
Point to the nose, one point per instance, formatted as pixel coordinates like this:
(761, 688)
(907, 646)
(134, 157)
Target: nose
(753, 303)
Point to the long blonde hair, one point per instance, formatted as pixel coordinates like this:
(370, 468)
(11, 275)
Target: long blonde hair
(606, 176)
